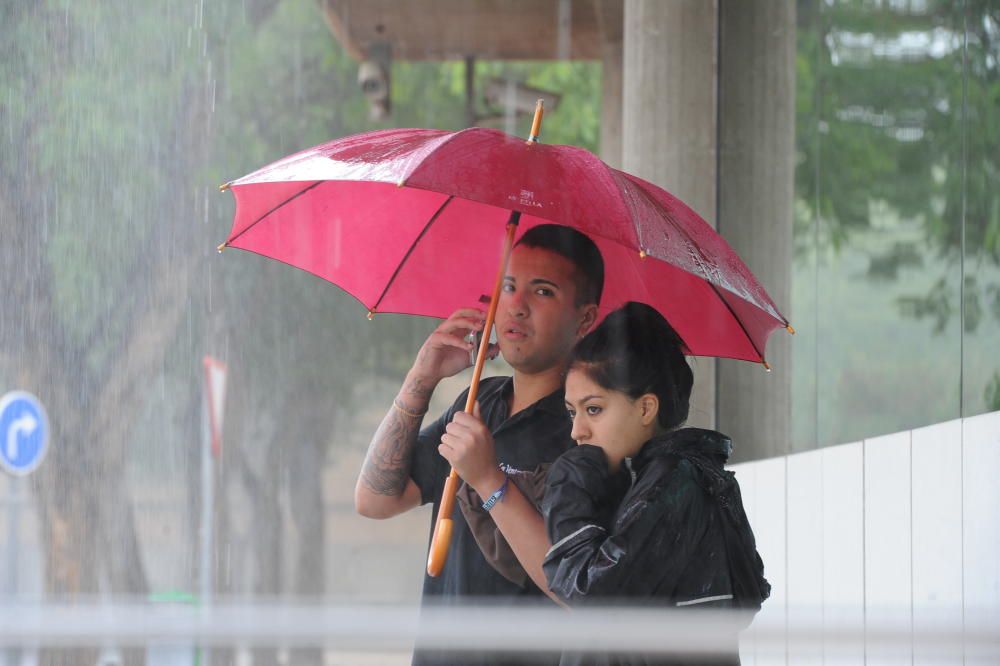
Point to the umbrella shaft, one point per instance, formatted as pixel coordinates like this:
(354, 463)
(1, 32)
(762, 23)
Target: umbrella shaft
(442, 536)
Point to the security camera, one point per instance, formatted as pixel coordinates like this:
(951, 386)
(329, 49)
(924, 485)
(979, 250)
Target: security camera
(373, 77)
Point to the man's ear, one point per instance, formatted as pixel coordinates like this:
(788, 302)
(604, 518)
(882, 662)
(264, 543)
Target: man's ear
(650, 408)
(588, 317)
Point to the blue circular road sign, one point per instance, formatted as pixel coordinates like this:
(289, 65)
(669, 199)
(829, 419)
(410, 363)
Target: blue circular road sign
(24, 432)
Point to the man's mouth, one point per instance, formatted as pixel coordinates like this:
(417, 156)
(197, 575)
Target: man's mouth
(515, 333)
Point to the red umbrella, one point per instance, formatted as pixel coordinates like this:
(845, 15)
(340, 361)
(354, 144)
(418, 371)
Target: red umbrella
(410, 220)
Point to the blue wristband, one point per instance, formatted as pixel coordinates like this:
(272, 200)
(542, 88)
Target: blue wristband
(498, 495)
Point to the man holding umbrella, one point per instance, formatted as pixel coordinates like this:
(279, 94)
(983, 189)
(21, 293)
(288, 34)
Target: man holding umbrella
(548, 301)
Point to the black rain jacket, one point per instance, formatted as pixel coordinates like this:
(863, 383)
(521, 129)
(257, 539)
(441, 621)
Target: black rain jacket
(651, 534)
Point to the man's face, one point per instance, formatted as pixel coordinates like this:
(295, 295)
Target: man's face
(537, 320)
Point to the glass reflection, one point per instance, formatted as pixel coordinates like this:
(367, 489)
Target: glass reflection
(889, 198)
(981, 259)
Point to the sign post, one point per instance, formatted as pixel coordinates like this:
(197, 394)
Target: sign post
(213, 408)
(24, 441)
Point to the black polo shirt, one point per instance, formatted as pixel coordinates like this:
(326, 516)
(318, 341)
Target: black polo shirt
(535, 435)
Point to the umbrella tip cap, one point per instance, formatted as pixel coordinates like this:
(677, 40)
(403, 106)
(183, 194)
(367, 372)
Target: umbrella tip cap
(642, 254)
(225, 186)
(767, 366)
(371, 315)
(790, 329)
(221, 247)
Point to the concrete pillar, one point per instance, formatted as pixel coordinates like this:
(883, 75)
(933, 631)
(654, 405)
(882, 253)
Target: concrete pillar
(669, 121)
(611, 104)
(756, 186)
(609, 21)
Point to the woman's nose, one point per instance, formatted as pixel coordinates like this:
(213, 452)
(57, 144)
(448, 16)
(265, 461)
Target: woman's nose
(579, 432)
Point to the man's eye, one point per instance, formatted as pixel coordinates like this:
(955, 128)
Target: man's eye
(507, 287)
(542, 291)
(593, 410)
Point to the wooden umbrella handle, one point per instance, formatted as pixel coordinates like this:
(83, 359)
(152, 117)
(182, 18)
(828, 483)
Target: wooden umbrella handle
(441, 539)
(536, 123)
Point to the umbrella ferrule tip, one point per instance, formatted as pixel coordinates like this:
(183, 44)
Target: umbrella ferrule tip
(790, 329)
(225, 186)
(221, 247)
(371, 315)
(642, 254)
(767, 366)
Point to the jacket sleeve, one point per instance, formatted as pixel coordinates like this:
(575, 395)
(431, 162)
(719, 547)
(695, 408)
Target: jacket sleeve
(634, 556)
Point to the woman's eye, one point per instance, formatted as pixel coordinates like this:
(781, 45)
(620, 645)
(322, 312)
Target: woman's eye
(593, 410)
(571, 414)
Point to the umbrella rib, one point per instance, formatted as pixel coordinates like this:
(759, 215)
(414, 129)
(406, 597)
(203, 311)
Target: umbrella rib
(770, 308)
(738, 320)
(286, 201)
(409, 251)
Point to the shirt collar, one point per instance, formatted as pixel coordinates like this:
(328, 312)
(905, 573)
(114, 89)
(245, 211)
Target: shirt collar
(554, 403)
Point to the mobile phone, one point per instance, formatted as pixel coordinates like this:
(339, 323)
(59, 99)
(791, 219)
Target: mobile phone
(476, 337)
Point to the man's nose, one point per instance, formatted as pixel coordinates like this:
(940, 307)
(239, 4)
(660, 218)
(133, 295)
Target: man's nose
(516, 305)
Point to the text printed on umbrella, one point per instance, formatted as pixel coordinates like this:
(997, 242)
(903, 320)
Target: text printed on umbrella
(527, 198)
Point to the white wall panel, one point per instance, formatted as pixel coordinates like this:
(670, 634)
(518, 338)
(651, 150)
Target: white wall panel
(936, 458)
(981, 521)
(805, 552)
(888, 574)
(843, 551)
(769, 529)
(763, 486)
(746, 476)
(898, 532)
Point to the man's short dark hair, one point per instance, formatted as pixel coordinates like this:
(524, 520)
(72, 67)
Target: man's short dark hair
(579, 249)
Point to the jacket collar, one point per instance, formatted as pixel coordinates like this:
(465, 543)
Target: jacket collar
(690, 441)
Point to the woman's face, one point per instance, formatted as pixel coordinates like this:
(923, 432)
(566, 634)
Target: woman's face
(608, 419)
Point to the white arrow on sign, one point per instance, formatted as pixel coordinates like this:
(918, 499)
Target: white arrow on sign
(25, 424)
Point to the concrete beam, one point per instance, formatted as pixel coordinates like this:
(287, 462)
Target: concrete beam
(453, 29)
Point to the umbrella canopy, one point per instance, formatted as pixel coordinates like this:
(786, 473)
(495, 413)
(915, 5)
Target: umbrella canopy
(412, 221)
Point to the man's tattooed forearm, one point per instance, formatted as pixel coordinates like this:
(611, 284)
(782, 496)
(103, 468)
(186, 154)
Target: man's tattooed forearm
(387, 465)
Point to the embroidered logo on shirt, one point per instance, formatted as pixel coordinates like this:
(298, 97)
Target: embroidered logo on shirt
(511, 471)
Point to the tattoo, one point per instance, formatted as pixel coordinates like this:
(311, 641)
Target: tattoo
(418, 389)
(387, 464)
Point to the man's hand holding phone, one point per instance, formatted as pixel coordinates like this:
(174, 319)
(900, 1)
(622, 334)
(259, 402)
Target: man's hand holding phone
(447, 351)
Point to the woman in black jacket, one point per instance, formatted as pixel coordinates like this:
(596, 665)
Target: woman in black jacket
(642, 511)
